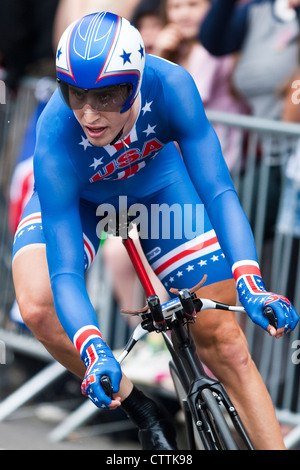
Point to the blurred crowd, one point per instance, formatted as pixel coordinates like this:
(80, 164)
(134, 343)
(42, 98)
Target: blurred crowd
(243, 55)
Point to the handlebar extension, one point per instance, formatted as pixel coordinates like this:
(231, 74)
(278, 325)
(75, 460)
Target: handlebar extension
(270, 316)
(106, 385)
(187, 302)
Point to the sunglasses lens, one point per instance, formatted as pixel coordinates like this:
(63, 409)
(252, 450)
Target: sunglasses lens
(110, 98)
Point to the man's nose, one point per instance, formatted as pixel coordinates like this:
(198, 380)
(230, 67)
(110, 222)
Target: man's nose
(90, 113)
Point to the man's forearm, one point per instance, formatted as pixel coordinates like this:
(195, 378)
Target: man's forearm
(224, 27)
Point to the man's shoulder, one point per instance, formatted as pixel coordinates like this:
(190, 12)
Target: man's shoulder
(168, 73)
(55, 120)
(161, 67)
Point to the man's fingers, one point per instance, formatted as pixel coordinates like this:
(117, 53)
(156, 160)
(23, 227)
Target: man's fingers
(271, 330)
(115, 403)
(275, 333)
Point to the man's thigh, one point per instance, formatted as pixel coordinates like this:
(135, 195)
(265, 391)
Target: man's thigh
(30, 229)
(31, 275)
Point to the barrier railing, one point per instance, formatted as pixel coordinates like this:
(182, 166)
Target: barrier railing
(262, 149)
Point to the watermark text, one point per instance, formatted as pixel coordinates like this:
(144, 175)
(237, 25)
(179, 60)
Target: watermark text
(296, 353)
(2, 352)
(2, 92)
(155, 222)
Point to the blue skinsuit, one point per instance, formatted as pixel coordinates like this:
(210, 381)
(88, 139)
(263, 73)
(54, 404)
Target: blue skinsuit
(72, 178)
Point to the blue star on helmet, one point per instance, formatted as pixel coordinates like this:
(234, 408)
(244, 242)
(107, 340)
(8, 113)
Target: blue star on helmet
(141, 51)
(59, 53)
(126, 57)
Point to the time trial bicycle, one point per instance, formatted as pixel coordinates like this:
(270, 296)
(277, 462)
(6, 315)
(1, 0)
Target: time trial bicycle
(211, 420)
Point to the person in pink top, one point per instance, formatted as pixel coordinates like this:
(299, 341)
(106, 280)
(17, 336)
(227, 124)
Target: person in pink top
(179, 42)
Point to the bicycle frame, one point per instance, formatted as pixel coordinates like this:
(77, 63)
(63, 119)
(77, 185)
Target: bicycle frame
(188, 366)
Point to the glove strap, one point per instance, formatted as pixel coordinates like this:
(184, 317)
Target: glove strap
(244, 268)
(247, 276)
(84, 335)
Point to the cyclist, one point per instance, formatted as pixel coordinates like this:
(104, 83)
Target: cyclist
(109, 131)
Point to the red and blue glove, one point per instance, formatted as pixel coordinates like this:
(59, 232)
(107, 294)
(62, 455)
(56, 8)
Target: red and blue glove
(255, 298)
(99, 361)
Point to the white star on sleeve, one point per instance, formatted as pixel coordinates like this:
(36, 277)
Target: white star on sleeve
(147, 107)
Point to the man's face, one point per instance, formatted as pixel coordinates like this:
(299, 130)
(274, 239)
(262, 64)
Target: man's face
(100, 127)
(99, 110)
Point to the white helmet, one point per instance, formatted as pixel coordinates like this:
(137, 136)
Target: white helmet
(101, 50)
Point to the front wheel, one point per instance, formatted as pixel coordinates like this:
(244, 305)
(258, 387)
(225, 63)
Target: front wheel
(205, 425)
(215, 421)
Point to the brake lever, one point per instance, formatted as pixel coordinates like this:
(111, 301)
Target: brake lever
(139, 332)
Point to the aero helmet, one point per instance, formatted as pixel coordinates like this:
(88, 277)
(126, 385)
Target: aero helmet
(101, 50)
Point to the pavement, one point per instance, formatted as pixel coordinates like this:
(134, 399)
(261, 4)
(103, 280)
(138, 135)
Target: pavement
(35, 424)
(30, 428)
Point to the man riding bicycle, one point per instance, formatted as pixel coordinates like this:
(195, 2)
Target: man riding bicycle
(109, 131)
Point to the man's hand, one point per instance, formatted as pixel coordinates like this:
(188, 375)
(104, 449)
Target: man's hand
(168, 41)
(99, 361)
(255, 298)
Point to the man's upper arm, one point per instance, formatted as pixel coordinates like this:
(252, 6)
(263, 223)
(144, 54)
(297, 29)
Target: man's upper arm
(197, 139)
(58, 189)
(201, 152)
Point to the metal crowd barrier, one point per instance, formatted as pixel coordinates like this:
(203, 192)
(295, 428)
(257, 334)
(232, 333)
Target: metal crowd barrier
(262, 149)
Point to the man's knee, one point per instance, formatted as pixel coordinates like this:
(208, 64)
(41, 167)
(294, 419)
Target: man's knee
(231, 348)
(222, 344)
(217, 333)
(33, 290)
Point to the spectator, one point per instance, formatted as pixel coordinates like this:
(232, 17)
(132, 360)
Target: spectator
(70, 10)
(265, 32)
(147, 19)
(179, 42)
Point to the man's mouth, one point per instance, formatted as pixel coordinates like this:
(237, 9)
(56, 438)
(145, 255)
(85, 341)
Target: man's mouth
(95, 131)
